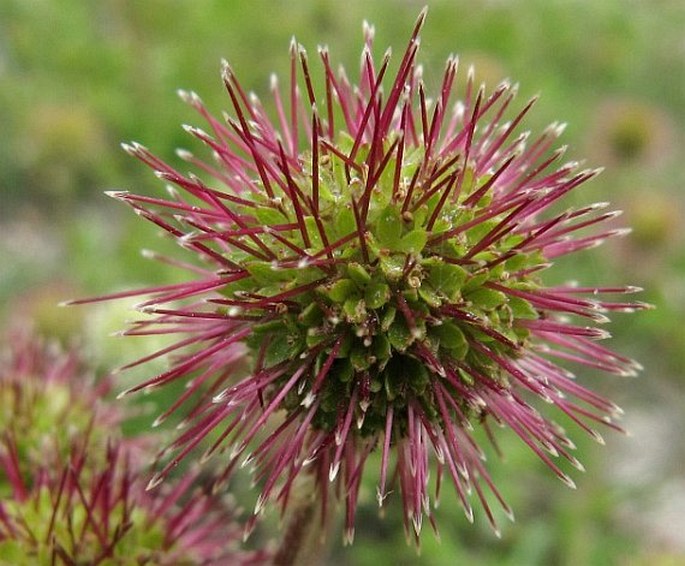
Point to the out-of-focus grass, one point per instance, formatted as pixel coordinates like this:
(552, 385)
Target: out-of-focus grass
(76, 78)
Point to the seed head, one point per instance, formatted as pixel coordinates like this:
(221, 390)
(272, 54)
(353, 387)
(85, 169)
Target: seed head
(71, 493)
(372, 279)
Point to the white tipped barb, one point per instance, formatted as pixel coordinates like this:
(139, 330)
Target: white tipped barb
(124, 393)
(219, 397)
(368, 30)
(195, 131)
(184, 154)
(117, 194)
(247, 461)
(417, 522)
(226, 70)
(576, 464)
(189, 97)
(259, 506)
(597, 437)
(158, 421)
(616, 411)
(471, 73)
(308, 400)
(333, 471)
(154, 482)
(567, 480)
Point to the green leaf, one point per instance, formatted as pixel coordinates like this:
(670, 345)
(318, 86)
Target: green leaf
(341, 290)
(516, 263)
(447, 278)
(389, 226)
(377, 294)
(428, 294)
(313, 233)
(345, 347)
(480, 230)
(355, 310)
(413, 242)
(15, 552)
(392, 267)
(342, 370)
(315, 337)
(283, 346)
(270, 216)
(381, 348)
(358, 274)
(387, 318)
(521, 308)
(344, 222)
(393, 382)
(399, 335)
(416, 375)
(264, 273)
(452, 339)
(487, 299)
(311, 315)
(359, 356)
(475, 282)
(375, 385)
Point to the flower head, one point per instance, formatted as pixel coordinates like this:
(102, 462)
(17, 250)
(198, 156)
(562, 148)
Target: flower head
(372, 280)
(93, 508)
(49, 397)
(72, 493)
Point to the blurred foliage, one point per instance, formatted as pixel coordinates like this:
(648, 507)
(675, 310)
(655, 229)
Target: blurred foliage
(78, 77)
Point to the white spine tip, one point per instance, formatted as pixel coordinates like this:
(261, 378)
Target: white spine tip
(184, 154)
(308, 400)
(598, 437)
(226, 71)
(259, 506)
(117, 194)
(129, 148)
(348, 536)
(123, 393)
(154, 482)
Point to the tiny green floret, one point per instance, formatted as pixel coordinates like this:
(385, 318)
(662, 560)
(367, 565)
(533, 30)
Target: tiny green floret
(402, 300)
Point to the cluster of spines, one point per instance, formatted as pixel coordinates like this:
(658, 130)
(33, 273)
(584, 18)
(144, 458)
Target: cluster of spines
(467, 162)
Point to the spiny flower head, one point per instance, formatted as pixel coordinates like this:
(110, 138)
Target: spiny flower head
(71, 493)
(49, 396)
(93, 509)
(372, 281)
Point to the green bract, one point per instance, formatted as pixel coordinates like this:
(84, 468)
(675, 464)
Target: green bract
(391, 294)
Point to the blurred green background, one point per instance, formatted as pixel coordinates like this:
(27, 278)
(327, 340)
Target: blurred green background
(77, 77)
